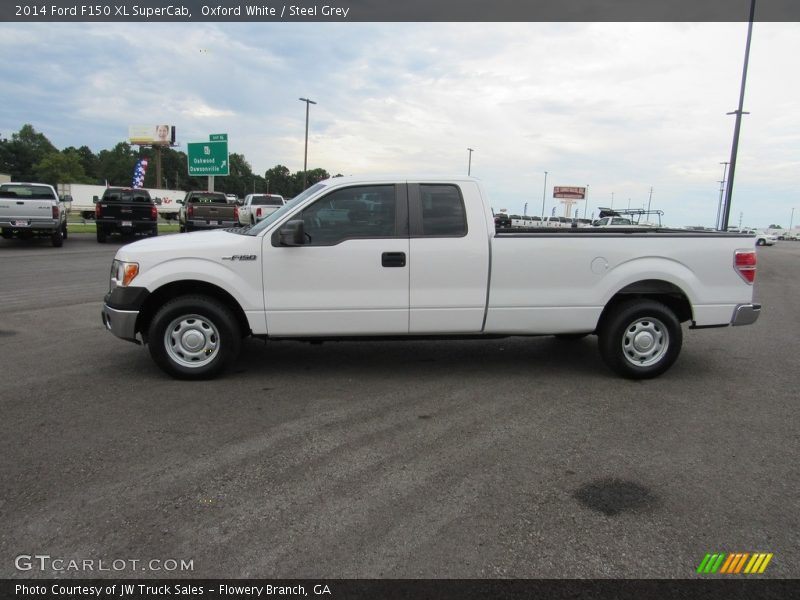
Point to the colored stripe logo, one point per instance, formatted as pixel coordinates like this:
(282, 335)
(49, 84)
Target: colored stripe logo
(735, 563)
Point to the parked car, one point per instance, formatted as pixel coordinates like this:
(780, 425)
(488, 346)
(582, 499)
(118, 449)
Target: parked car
(765, 238)
(613, 222)
(257, 206)
(127, 211)
(32, 210)
(207, 210)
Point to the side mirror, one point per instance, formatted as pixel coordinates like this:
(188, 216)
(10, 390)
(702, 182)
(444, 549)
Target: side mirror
(292, 234)
(240, 203)
(181, 202)
(95, 199)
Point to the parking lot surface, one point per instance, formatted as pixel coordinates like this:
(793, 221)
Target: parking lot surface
(519, 457)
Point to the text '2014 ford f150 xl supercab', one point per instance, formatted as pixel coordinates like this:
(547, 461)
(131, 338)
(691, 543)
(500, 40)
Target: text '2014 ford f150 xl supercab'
(384, 258)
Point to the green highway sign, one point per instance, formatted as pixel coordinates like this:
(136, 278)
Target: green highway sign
(208, 158)
(218, 137)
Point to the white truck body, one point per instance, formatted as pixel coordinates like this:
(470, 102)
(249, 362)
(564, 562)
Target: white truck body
(81, 198)
(32, 209)
(413, 281)
(257, 207)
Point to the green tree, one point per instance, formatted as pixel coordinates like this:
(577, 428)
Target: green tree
(60, 167)
(278, 180)
(116, 165)
(23, 152)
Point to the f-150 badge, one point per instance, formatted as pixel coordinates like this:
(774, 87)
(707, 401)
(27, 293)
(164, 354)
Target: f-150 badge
(240, 257)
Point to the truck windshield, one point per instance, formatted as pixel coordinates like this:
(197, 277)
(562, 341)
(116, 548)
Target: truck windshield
(208, 199)
(262, 225)
(27, 192)
(267, 200)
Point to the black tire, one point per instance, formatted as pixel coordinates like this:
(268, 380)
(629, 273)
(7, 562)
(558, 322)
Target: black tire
(154, 232)
(6, 234)
(181, 228)
(761, 243)
(209, 340)
(57, 238)
(64, 231)
(102, 236)
(188, 228)
(640, 339)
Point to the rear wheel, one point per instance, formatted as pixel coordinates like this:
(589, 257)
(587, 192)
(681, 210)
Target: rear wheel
(102, 236)
(640, 339)
(57, 238)
(64, 231)
(194, 337)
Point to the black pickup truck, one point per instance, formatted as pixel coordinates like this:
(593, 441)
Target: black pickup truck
(127, 211)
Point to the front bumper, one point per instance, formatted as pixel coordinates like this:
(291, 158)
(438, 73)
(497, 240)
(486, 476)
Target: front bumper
(122, 323)
(745, 314)
(121, 309)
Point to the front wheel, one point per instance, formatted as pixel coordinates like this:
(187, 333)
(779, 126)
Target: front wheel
(640, 339)
(194, 337)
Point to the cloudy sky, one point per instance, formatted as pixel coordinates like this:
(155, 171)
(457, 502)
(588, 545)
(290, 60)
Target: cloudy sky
(621, 107)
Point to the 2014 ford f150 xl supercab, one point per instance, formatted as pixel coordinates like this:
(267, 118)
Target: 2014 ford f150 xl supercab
(385, 258)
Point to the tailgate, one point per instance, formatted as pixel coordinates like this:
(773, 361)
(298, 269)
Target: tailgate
(12, 209)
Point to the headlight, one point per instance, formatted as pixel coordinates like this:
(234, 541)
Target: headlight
(122, 273)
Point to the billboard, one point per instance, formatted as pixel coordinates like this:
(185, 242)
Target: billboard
(575, 193)
(151, 135)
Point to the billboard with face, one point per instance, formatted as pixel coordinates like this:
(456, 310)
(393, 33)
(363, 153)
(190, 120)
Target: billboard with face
(151, 134)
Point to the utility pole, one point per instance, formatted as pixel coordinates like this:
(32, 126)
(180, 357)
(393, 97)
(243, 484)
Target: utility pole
(305, 156)
(544, 191)
(717, 224)
(739, 112)
(469, 163)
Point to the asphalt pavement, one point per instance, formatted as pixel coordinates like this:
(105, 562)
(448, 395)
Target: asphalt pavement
(519, 457)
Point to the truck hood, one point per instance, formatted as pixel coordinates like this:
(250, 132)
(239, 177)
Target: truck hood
(200, 244)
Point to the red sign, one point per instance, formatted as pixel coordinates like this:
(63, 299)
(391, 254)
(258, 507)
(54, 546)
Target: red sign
(576, 193)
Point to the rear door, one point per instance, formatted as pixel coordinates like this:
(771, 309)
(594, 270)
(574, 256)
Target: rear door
(351, 276)
(449, 258)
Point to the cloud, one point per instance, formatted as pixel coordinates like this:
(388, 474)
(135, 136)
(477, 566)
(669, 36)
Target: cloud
(619, 106)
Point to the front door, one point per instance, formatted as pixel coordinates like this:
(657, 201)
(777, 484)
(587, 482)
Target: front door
(351, 274)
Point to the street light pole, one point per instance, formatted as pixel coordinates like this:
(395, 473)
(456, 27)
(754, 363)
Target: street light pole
(721, 190)
(469, 163)
(791, 221)
(739, 112)
(305, 155)
(544, 191)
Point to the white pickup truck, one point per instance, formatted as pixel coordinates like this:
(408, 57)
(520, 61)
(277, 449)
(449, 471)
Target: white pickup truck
(32, 210)
(385, 258)
(256, 207)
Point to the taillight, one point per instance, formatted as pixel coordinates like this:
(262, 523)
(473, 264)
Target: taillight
(55, 211)
(235, 213)
(258, 212)
(744, 262)
(154, 213)
(190, 210)
(97, 211)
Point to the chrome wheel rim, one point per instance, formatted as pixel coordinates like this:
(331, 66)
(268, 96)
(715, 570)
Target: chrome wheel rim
(192, 341)
(645, 342)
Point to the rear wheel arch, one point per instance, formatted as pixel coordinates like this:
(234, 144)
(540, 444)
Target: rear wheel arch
(658, 290)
